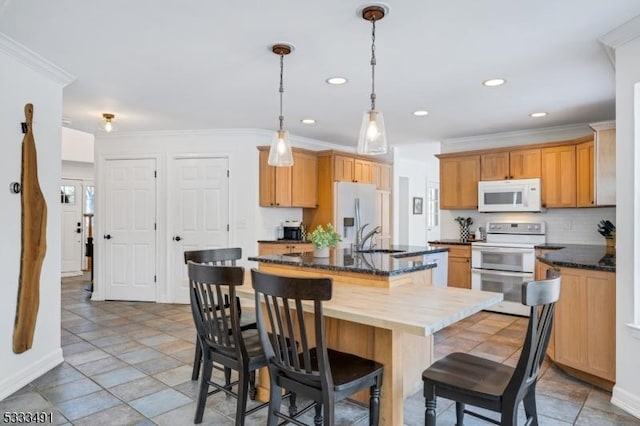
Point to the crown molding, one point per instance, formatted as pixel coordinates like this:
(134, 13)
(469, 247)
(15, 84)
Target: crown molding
(546, 131)
(34, 61)
(619, 36)
(603, 125)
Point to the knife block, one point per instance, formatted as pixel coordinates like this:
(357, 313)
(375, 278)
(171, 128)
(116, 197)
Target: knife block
(610, 245)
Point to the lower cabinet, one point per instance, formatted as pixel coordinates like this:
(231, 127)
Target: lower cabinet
(584, 333)
(283, 248)
(459, 269)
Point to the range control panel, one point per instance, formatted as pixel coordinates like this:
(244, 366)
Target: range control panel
(522, 228)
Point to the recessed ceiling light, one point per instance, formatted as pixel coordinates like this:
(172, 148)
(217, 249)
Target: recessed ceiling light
(336, 80)
(420, 113)
(538, 114)
(494, 82)
(308, 121)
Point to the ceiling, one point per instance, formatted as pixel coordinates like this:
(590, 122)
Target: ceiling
(202, 64)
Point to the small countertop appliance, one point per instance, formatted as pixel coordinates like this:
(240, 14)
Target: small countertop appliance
(292, 230)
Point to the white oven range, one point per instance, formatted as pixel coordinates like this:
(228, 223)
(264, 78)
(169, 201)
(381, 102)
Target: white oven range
(505, 261)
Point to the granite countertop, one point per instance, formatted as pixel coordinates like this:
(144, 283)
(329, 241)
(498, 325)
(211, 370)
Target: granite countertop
(373, 263)
(580, 256)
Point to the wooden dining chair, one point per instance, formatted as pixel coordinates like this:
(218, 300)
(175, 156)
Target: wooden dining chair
(321, 374)
(219, 257)
(468, 379)
(220, 336)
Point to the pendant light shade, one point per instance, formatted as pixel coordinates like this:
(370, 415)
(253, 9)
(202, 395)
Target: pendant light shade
(280, 154)
(108, 122)
(373, 136)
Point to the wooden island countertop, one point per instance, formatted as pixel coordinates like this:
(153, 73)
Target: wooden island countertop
(392, 324)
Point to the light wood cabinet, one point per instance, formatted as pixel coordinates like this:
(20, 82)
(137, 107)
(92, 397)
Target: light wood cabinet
(280, 248)
(362, 171)
(382, 177)
(459, 265)
(459, 182)
(294, 186)
(516, 164)
(584, 327)
(350, 169)
(494, 166)
(383, 218)
(559, 176)
(605, 163)
(585, 175)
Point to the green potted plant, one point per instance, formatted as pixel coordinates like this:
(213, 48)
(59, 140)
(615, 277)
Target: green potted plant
(323, 239)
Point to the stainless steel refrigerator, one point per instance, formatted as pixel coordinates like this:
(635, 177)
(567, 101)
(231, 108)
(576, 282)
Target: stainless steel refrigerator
(345, 196)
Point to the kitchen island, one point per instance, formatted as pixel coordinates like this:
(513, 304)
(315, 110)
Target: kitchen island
(383, 308)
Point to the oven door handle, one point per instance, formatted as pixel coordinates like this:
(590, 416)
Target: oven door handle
(502, 250)
(502, 273)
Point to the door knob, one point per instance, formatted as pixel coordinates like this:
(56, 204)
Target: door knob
(107, 237)
(177, 238)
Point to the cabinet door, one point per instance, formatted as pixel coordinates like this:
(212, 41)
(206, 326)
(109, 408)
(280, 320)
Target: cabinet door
(525, 164)
(606, 169)
(300, 248)
(601, 324)
(266, 249)
(585, 177)
(459, 272)
(459, 182)
(570, 327)
(362, 171)
(304, 184)
(494, 166)
(383, 217)
(381, 175)
(267, 176)
(559, 176)
(343, 168)
(283, 186)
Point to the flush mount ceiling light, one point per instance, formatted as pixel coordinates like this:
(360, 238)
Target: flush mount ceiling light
(308, 121)
(494, 82)
(538, 114)
(280, 154)
(336, 80)
(373, 137)
(420, 113)
(108, 125)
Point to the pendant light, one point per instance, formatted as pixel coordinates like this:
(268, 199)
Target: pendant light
(373, 137)
(280, 152)
(108, 125)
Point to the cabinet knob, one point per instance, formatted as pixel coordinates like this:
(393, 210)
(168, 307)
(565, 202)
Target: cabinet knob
(277, 204)
(506, 177)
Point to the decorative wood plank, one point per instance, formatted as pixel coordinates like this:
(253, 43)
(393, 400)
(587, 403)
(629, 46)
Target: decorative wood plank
(34, 245)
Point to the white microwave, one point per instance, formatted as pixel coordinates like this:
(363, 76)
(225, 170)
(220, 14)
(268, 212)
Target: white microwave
(515, 195)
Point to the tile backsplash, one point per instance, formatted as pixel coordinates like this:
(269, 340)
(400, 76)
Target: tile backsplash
(564, 226)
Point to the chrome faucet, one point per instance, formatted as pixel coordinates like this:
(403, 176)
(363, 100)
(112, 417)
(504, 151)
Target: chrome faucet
(361, 240)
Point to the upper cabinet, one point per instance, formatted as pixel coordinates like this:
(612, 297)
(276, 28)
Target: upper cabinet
(605, 163)
(294, 186)
(350, 169)
(585, 177)
(459, 176)
(381, 174)
(516, 164)
(559, 176)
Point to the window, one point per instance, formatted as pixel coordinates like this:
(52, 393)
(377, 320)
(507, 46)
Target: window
(433, 207)
(89, 196)
(68, 194)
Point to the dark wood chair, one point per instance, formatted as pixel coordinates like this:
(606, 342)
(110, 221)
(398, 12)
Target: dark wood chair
(218, 257)
(220, 337)
(468, 379)
(321, 374)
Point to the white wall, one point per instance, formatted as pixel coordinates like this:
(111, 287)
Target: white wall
(626, 392)
(564, 226)
(26, 78)
(77, 145)
(77, 170)
(418, 164)
(248, 222)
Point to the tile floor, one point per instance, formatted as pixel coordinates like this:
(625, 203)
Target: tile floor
(129, 363)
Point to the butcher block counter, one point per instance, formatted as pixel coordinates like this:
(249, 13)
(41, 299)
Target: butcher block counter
(388, 314)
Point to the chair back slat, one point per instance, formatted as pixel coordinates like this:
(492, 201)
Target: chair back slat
(283, 299)
(218, 257)
(209, 286)
(541, 296)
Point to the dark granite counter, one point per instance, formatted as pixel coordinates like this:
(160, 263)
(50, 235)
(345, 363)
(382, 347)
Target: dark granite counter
(578, 256)
(404, 261)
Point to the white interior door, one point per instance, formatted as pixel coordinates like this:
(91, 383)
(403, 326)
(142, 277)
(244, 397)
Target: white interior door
(200, 213)
(130, 236)
(71, 226)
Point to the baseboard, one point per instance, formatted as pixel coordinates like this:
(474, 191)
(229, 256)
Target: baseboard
(626, 400)
(71, 274)
(17, 381)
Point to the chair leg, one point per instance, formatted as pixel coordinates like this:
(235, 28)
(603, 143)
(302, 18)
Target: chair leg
(430, 405)
(197, 361)
(293, 410)
(374, 405)
(252, 385)
(459, 414)
(275, 401)
(243, 388)
(530, 406)
(204, 390)
(509, 415)
(227, 376)
(317, 419)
